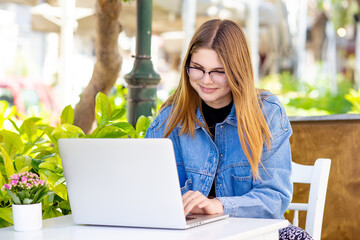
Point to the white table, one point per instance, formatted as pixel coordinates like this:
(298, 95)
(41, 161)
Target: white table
(231, 228)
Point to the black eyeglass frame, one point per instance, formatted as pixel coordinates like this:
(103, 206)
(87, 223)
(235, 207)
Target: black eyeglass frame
(187, 68)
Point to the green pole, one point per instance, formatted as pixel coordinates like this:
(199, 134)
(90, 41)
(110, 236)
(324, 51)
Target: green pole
(142, 80)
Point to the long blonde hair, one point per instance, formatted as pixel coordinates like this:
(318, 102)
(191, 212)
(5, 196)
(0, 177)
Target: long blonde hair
(228, 40)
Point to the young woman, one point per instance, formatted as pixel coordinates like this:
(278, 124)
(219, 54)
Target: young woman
(231, 140)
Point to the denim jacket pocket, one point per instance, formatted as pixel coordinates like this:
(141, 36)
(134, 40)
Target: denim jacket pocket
(188, 186)
(242, 183)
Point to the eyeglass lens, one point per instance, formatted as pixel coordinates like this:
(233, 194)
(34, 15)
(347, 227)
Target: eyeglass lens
(197, 74)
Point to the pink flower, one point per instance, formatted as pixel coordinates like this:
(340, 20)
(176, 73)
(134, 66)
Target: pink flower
(24, 179)
(41, 182)
(7, 186)
(13, 182)
(28, 185)
(14, 177)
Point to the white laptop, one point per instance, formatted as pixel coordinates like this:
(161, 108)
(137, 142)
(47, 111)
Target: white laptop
(125, 182)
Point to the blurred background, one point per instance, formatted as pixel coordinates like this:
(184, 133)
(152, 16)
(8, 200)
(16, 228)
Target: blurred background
(306, 51)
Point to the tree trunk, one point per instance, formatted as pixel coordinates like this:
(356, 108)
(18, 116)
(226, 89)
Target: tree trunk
(108, 63)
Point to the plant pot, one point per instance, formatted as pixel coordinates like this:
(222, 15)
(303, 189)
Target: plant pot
(27, 217)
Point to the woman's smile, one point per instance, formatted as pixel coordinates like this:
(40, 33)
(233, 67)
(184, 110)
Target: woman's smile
(207, 89)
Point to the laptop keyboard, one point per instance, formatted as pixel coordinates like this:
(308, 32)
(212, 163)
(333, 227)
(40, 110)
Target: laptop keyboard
(190, 218)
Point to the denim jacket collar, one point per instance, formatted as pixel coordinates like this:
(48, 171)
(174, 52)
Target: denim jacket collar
(230, 119)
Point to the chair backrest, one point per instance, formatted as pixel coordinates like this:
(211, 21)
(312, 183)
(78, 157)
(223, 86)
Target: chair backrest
(317, 176)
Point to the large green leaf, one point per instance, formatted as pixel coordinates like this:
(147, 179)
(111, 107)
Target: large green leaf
(102, 109)
(8, 163)
(61, 191)
(117, 114)
(10, 148)
(6, 214)
(142, 125)
(47, 165)
(51, 212)
(29, 129)
(67, 131)
(13, 138)
(110, 132)
(67, 115)
(65, 205)
(14, 124)
(22, 162)
(15, 199)
(126, 127)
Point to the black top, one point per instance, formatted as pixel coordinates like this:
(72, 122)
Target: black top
(212, 117)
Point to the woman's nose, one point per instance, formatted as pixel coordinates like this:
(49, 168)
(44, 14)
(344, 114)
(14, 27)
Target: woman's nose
(207, 78)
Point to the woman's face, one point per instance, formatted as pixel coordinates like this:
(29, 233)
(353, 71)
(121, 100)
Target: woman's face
(215, 94)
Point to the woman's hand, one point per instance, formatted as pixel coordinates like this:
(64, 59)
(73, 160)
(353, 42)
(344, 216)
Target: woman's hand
(196, 202)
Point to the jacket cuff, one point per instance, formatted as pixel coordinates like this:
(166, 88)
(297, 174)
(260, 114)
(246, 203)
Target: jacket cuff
(229, 205)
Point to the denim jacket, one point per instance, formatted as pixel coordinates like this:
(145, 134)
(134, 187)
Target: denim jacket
(200, 161)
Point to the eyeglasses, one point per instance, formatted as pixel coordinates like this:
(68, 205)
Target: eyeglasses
(198, 73)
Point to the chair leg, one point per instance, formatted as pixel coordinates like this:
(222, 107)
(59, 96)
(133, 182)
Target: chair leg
(296, 218)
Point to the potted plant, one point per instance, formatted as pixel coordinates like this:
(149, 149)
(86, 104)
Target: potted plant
(26, 191)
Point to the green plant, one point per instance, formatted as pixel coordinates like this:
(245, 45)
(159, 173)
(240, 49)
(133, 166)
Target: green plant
(26, 188)
(32, 147)
(354, 98)
(305, 99)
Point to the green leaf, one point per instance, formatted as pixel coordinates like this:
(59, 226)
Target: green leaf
(44, 173)
(14, 124)
(67, 131)
(13, 138)
(110, 132)
(15, 199)
(51, 212)
(29, 128)
(25, 169)
(8, 163)
(2, 182)
(55, 179)
(142, 125)
(10, 148)
(64, 205)
(102, 109)
(27, 201)
(61, 191)
(67, 115)
(47, 165)
(48, 131)
(126, 127)
(54, 159)
(22, 162)
(4, 223)
(6, 214)
(117, 114)
(35, 163)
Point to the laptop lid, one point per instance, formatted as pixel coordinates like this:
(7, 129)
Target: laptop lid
(123, 182)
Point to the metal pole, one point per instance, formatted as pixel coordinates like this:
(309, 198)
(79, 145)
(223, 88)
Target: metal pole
(142, 80)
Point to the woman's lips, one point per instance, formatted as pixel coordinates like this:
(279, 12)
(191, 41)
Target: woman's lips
(207, 90)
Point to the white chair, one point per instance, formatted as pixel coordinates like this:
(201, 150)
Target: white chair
(317, 176)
